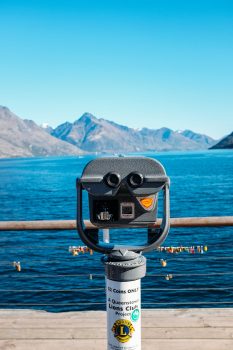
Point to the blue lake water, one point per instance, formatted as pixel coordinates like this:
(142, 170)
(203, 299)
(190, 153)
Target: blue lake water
(44, 188)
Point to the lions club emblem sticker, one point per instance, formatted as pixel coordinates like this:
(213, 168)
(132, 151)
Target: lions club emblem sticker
(123, 330)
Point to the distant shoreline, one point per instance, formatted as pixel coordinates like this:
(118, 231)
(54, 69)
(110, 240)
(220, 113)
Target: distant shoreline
(102, 154)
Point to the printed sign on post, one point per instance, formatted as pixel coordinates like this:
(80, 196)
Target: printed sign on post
(124, 315)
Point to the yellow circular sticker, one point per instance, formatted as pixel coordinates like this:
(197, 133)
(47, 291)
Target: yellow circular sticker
(123, 330)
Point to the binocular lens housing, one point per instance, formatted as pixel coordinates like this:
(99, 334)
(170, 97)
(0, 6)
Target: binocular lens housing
(113, 179)
(135, 179)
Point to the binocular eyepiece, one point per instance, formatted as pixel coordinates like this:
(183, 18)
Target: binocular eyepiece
(135, 179)
(113, 179)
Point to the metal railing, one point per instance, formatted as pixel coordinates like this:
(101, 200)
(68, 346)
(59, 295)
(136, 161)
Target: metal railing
(49, 225)
(210, 221)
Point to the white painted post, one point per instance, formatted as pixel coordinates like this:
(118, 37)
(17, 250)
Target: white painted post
(123, 315)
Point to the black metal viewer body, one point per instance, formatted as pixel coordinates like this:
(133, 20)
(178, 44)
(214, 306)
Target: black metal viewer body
(123, 192)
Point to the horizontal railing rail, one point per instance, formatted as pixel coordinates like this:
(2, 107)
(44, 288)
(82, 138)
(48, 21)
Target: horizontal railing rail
(211, 221)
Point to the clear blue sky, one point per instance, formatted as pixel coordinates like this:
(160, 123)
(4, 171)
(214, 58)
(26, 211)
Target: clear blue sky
(141, 63)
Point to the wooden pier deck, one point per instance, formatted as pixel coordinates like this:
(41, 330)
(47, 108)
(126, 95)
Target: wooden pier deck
(180, 329)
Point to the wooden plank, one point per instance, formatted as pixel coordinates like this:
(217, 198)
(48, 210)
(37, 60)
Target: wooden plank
(156, 322)
(31, 314)
(99, 344)
(225, 312)
(100, 333)
(165, 313)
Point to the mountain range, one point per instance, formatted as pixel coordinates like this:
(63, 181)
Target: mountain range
(100, 135)
(24, 138)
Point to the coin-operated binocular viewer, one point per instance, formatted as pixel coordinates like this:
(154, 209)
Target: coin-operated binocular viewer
(123, 193)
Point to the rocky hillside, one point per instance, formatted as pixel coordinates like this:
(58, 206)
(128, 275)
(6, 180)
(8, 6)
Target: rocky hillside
(201, 139)
(100, 135)
(24, 138)
(226, 142)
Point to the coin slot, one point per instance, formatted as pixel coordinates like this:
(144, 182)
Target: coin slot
(127, 210)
